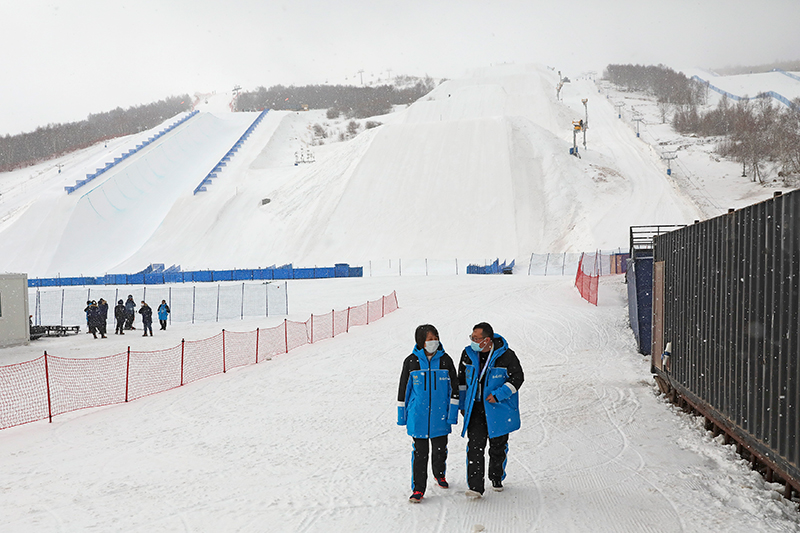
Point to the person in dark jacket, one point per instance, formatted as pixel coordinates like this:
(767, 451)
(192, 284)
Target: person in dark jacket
(102, 308)
(86, 310)
(130, 309)
(489, 377)
(94, 320)
(428, 406)
(163, 311)
(147, 318)
(120, 314)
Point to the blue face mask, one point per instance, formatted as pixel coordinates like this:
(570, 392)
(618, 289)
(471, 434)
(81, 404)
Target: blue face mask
(475, 346)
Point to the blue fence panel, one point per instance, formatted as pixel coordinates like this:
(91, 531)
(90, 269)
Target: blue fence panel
(356, 272)
(203, 276)
(222, 275)
(155, 278)
(325, 272)
(262, 273)
(173, 277)
(282, 273)
(242, 275)
(303, 273)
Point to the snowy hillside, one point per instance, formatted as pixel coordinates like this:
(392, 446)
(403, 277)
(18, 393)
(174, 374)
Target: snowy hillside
(484, 158)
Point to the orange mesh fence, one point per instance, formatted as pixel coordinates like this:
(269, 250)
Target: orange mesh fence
(587, 278)
(240, 348)
(271, 342)
(374, 310)
(297, 334)
(152, 372)
(23, 393)
(50, 385)
(80, 383)
(202, 358)
(358, 315)
(340, 321)
(321, 327)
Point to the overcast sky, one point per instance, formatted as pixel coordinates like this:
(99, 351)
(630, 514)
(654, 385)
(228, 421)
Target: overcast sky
(62, 60)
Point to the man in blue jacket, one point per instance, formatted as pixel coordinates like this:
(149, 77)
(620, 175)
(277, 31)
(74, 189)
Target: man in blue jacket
(489, 376)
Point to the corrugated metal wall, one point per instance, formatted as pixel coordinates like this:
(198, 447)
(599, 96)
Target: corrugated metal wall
(730, 309)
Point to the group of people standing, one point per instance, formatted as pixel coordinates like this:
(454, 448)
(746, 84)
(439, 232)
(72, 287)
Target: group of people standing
(124, 313)
(484, 390)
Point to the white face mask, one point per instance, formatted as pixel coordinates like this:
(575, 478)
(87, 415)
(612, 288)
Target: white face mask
(431, 346)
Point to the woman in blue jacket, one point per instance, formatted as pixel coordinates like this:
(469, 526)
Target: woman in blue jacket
(428, 406)
(163, 312)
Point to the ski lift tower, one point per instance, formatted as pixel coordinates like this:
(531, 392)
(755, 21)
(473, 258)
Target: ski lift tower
(637, 119)
(668, 157)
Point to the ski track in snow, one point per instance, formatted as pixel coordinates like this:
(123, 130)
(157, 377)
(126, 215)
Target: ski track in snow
(307, 441)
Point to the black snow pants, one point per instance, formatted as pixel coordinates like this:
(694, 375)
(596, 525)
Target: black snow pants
(120, 325)
(477, 434)
(419, 461)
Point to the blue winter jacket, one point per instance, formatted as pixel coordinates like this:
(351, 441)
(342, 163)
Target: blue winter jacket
(428, 394)
(503, 378)
(163, 311)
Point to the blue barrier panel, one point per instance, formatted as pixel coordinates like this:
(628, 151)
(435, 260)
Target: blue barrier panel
(222, 275)
(155, 278)
(51, 282)
(203, 275)
(342, 270)
(242, 275)
(262, 273)
(136, 279)
(282, 273)
(173, 277)
(303, 273)
(188, 277)
(356, 272)
(325, 272)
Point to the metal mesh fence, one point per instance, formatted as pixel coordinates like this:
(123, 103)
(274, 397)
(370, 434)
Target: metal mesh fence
(202, 302)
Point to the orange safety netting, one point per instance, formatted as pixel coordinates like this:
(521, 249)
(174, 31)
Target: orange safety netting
(50, 385)
(588, 278)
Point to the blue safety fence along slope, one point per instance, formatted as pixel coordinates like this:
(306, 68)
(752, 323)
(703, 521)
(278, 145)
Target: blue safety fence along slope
(218, 168)
(126, 155)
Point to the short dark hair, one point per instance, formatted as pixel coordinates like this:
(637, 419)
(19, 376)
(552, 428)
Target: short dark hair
(422, 333)
(485, 328)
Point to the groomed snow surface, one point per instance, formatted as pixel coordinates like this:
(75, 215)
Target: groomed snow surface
(308, 440)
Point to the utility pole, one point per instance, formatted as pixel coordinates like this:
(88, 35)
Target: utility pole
(361, 73)
(619, 107)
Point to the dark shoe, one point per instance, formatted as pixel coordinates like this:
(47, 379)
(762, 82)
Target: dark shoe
(442, 482)
(145, 335)
(497, 486)
(416, 497)
(103, 337)
(473, 494)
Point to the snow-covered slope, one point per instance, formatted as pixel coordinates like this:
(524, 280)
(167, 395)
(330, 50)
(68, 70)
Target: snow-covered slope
(478, 168)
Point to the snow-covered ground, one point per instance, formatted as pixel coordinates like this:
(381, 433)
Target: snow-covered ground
(308, 441)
